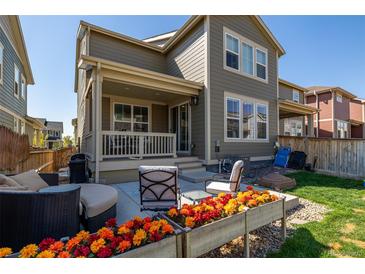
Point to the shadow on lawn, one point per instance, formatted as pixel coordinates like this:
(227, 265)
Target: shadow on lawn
(305, 178)
(301, 244)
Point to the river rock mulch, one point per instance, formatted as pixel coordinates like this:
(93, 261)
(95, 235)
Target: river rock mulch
(268, 238)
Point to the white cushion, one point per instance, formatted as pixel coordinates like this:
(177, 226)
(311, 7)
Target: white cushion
(6, 181)
(30, 180)
(236, 174)
(97, 198)
(218, 187)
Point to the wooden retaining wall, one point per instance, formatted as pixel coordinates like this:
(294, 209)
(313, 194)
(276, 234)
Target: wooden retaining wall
(340, 157)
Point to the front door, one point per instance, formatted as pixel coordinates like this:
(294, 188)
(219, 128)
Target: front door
(180, 124)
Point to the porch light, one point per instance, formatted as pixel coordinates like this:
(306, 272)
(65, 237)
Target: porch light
(194, 100)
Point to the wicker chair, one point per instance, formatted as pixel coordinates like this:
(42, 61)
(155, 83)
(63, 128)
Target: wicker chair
(28, 217)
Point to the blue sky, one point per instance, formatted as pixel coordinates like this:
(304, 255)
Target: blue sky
(321, 50)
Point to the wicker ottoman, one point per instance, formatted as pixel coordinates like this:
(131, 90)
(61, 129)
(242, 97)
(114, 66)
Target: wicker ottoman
(99, 204)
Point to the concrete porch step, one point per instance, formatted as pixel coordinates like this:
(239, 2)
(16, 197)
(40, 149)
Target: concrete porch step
(186, 165)
(186, 171)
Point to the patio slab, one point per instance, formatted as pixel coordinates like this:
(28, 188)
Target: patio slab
(129, 205)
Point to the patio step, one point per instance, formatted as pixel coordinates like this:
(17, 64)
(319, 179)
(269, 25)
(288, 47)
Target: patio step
(188, 170)
(197, 176)
(190, 164)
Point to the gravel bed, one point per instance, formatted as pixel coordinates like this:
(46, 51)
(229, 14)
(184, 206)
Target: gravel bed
(268, 238)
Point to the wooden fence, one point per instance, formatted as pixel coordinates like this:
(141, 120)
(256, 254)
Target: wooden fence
(340, 157)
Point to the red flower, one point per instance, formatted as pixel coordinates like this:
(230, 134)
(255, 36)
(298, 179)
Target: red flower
(111, 222)
(147, 226)
(104, 252)
(82, 251)
(249, 188)
(45, 243)
(92, 238)
(115, 242)
(147, 220)
(155, 236)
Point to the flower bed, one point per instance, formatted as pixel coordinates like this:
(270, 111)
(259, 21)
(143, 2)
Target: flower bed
(216, 221)
(127, 240)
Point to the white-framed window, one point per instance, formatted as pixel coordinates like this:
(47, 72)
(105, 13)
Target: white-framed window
(339, 98)
(232, 52)
(244, 56)
(22, 127)
(295, 95)
(233, 118)
(23, 87)
(130, 117)
(342, 129)
(293, 127)
(261, 64)
(247, 59)
(246, 119)
(1, 63)
(16, 125)
(16, 81)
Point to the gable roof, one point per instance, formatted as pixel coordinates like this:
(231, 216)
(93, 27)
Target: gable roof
(180, 33)
(322, 89)
(292, 85)
(21, 47)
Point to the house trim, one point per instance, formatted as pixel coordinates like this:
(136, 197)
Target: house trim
(291, 106)
(2, 65)
(143, 77)
(207, 91)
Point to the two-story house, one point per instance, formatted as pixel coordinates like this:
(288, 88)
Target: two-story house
(15, 75)
(295, 118)
(333, 120)
(52, 132)
(207, 91)
(357, 118)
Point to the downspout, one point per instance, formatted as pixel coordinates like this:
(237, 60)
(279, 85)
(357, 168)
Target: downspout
(333, 113)
(317, 113)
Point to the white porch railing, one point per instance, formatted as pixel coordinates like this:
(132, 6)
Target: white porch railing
(117, 144)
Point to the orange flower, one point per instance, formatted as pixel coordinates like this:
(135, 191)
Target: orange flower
(124, 245)
(46, 254)
(189, 222)
(172, 212)
(72, 243)
(252, 203)
(123, 230)
(184, 212)
(83, 235)
(167, 229)
(56, 246)
(105, 233)
(29, 251)
(64, 254)
(137, 218)
(129, 224)
(221, 195)
(96, 245)
(139, 236)
(5, 251)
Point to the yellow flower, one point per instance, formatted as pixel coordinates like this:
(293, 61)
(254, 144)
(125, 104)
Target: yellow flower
(221, 195)
(5, 251)
(29, 251)
(137, 218)
(139, 236)
(163, 222)
(83, 235)
(46, 254)
(172, 212)
(189, 222)
(96, 245)
(123, 230)
(241, 208)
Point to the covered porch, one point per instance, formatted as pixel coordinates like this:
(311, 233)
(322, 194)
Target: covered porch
(296, 119)
(135, 114)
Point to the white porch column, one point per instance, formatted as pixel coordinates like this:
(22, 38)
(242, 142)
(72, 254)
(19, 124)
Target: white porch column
(97, 97)
(310, 126)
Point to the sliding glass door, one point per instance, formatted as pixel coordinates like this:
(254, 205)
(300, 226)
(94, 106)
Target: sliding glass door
(180, 124)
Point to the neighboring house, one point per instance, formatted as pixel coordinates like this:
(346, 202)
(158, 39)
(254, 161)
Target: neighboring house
(334, 119)
(357, 118)
(296, 118)
(208, 91)
(52, 133)
(15, 76)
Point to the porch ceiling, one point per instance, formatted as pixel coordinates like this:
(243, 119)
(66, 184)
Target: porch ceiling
(132, 91)
(289, 108)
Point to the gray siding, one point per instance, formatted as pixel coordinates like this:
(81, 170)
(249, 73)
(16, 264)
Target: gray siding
(222, 80)
(116, 50)
(198, 128)
(7, 98)
(105, 116)
(159, 118)
(6, 120)
(286, 92)
(187, 59)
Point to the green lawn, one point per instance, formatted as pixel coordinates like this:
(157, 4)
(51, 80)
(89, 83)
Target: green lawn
(342, 232)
